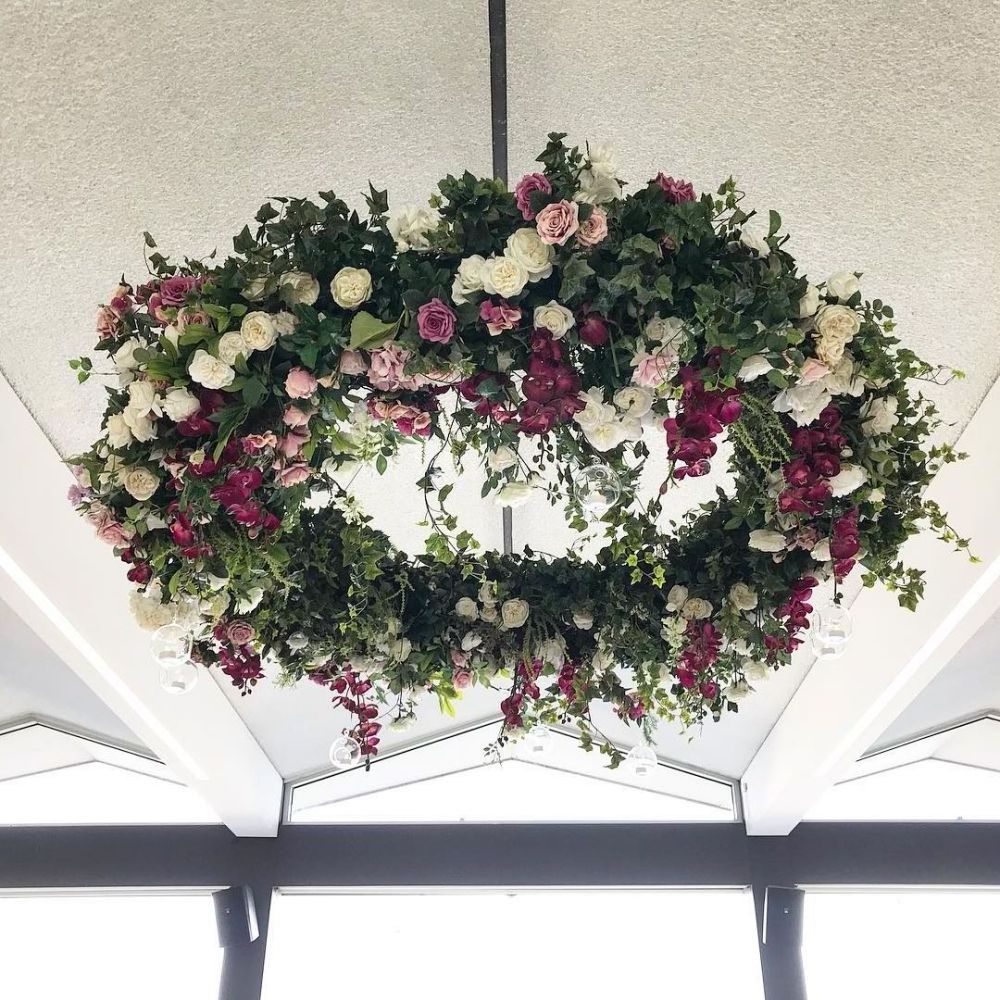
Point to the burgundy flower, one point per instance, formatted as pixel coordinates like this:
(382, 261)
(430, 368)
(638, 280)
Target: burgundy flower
(594, 331)
(526, 187)
(675, 190)
(175, 290)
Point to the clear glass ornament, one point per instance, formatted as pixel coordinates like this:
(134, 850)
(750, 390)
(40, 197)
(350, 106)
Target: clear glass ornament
(539, 739)
(178, 676)
(597, 488)
(830, 632)
(171, 643)
(345, 751)
(641, 761)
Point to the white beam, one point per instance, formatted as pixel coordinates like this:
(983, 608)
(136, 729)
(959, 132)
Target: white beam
(68, 587)
(844, 705)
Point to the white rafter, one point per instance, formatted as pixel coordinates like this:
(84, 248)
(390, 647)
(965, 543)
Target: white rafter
(843, 706)
(68, 588)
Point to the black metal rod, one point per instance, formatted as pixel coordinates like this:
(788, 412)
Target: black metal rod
(498, 85)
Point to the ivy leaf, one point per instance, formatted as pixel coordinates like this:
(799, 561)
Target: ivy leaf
(150, 242)
(368, 331)
(775, 222)
(574, 278)
(253, 391)
(229, 419)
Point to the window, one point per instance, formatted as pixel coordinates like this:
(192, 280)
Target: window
(110, 946)
(493, 945)
(448, 781)
(918, 944)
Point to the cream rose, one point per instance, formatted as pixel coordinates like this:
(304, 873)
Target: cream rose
(210, 371)
(254, 289)
(468, 279)
(666, 330)
(634, 400)
(502, 459)
(351, 286)
(259, 331)
(836, 326)
(297, 288)
(139, 482)
(843, 285)
(696, 608)
(232, 346)
(878, 415)
(118, 433)
(514, 613)
(124, 360)
(555, 318)
(527, 248)
(504, 276)
(850, 478)
(743, 597)
(676, 597)
(809, 302)
(583, 619)
(410, 227)
(467, 608)
(755, 242)
(179, 404)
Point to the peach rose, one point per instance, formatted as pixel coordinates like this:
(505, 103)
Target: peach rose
(558, 222)
(593, 229)
(300, 384)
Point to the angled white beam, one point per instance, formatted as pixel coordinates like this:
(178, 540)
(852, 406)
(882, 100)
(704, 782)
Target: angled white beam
(67, 586)
(844, 705)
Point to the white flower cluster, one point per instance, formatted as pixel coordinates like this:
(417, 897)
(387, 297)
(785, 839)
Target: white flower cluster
(511, 614)
(525, 259)
(598, 181)
(410, 228)
(607, 425)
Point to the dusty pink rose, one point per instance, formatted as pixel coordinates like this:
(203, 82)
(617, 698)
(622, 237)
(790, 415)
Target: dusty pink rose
(593, 229)
(300, 384)
(239, 632)
(296, 417)
(352, 363)
(499, 316)
(558, 222)
(253, 443)
(436, 322)
(186, 316)
(675, 190)
(108, 323)
(386, 368)
(526, 187)
(292, 443)
(459, 658)
(462, 679)
(292, 475)
(652, 370)
(156, 309)
(175, 289)
(107, 528)
(812, 371)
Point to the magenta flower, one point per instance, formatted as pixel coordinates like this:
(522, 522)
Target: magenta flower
(675, 190)
(526, 187)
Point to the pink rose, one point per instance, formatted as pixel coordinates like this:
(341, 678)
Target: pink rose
(108, 323)
(296, 417)
(107, 528)
(352, 363)
(459, 658)
(593, 229)
(300, 384)
(156, 310)
(812, 371)
(186, 316)
(436, 322)
(558, 222)
(292, 475)
(239, 633)
(386, 369)
(293, 442)
(526, 187)
(652, 370)
(175, 289)
(675, 190)
(253, 443)
(462, 679)
(499, 316)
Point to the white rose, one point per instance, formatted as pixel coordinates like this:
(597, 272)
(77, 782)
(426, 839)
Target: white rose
(843, 285)
(410, 227)
(552, 651)
(756, 671)
(879, 415)
(284, 326)
(665, 330)
(742, 597)
(467, 608)
(634, 400)
(695, 608)
(118, 433)
(755, 242)
(803, 402)
(471, 641)
(514, 613)
(232, 346)
(140, 483)
(488, 592)
(754, 367)
(489, 613)
(502, 459)
(676, 597)
(172, 334)
(555, 318)
(209, 371)
(254, 289)
(124, 360)
(737, 692)
(179, 404)
(596, 411)
(809, 302)
(142, 410)
(148, 610)
(836, 326)
(245, 605)
(514, 494)
(351, 286)
(258, 330)
(297, 288)
(504, 276)
(766, 540)
(142, 426)
(526, 247)
(605, 436)
(583, 619)
(850, 478)
(597, 181)
(468, 279)
(842, 381)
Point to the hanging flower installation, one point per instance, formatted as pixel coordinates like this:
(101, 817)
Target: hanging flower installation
(546, 335)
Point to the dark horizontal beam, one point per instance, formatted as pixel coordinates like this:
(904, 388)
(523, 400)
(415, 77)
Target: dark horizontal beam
(502, 854)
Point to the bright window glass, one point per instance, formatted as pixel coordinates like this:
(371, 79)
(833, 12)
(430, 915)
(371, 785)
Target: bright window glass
(918, 944)
(109, 947)
(495, 945)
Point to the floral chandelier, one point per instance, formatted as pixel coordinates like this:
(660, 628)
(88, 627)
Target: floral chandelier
(546, 336)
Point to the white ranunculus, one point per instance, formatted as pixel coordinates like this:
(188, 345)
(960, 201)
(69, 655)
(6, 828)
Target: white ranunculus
(232, 346)
(139, 482)
(809, 302)
(879, 415)
(502, 459)
(754, 367)
(754, 241)
(410, 227)
(821, 551)
(351, 286)
(527, 248)
(836, 326)
(696, 608)
(803, 402)
(468, 279)
(467, 608)
(504, 276)
(767, 540)
(259, 331)
(253, 290)
(514, 494)
(514, 613)
(634, 400)
(850, 478)
(555, 318)
(118, 433)
(179, 404)
(297, 288)
(666, 330)
(743, 597)
(583, 619)
(676, 597)
(210, 371)
(843, 285)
